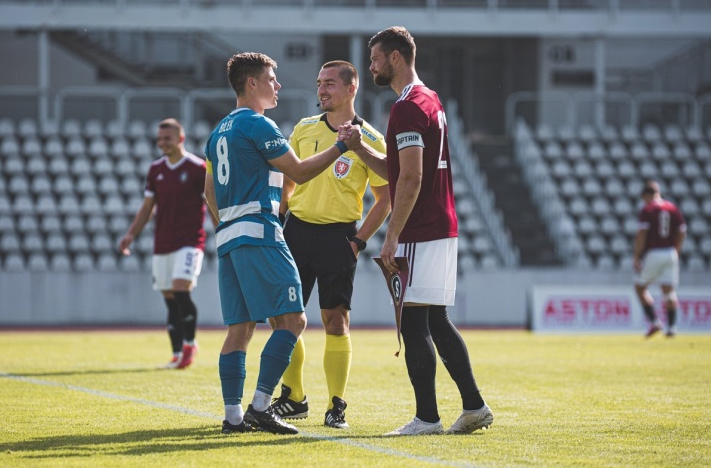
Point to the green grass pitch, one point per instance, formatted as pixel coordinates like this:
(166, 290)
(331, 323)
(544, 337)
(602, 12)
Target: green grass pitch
(97, 398)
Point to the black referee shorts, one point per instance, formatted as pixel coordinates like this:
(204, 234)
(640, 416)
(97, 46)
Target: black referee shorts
(323, 253)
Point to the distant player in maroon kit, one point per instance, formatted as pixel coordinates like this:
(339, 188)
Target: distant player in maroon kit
(423, 227)
(175, 188)
(657, 245)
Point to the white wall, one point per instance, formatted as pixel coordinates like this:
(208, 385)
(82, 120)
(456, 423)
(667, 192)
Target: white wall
(571, 54)
(487, 298)
(19, 54)
(292, 73)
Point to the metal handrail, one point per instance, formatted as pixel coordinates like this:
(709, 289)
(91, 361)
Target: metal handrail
(515, 98)
(124, 96)
(572, 101)
(111, 92)
(682, 99)
(26, 91)
(467, 163)
(549, 202)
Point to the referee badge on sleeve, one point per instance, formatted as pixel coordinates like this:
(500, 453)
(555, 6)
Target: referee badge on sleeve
(342, 167)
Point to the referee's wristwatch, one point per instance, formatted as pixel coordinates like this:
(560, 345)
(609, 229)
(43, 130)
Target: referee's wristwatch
(360, 243)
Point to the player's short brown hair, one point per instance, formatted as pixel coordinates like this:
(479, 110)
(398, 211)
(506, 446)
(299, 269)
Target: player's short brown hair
(395, 38)
(173, 124)
(651, 187)
(346, 71)
(245, 65)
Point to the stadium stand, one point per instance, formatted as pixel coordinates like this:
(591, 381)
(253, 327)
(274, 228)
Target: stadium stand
(598, 218)
(67, 196)
(86, 173)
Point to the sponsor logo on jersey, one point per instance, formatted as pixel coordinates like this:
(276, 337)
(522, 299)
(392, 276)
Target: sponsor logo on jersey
(368, 134)
(342, 167)
(311, 120)
(160, 177)
(274, 143)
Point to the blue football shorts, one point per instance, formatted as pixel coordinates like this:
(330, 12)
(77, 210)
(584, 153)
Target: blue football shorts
(258, 282)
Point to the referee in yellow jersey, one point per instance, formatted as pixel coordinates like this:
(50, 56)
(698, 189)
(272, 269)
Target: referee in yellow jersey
(322, 233)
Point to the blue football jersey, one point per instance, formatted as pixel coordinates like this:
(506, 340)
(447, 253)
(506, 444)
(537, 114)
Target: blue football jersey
(247, 187)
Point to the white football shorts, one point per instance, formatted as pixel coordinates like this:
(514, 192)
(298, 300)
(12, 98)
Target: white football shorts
(660, 266)
(433, 271)
(185, 263)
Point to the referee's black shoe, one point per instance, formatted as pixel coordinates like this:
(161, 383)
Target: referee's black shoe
(268, 421)
(290, 409)
(336, 416)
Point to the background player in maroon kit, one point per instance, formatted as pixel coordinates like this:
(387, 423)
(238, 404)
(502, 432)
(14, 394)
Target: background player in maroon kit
(657, 245)
(174, 187)
(423, 227)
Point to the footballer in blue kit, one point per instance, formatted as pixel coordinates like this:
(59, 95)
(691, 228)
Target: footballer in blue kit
(267, 278)
(247, 157)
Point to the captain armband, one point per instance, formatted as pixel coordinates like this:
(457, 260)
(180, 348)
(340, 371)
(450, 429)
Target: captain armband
(407, 139)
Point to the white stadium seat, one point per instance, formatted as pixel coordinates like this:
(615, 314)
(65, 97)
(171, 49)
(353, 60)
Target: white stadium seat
(31, 147)
(7, 127)
(83, 262)
(137, 129)
(120, 148)
(93, 128)
(71, 128)
(107, 262)
(51, 224)
(27, 128)
(114, 129)
(53, 146)
(98, 148)
(68, 204)
(651, 133)
(37, 262)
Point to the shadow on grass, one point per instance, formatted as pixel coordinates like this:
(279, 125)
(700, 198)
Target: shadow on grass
(143, 442)
(136, 370)
(167, 441)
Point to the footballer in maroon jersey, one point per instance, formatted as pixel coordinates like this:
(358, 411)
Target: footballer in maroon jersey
(177, 189)
(417, 119)
(174, 196)
(423, 228)
(657, 245)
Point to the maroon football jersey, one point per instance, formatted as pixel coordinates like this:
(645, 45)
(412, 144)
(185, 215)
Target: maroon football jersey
(663, 222)
(417, 118)
(180, 209)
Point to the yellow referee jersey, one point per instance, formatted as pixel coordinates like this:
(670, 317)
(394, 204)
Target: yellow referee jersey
(335, 195)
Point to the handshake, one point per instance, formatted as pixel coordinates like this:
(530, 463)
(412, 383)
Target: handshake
(350, 135)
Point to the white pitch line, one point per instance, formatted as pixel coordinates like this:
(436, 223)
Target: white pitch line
(190, 412)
